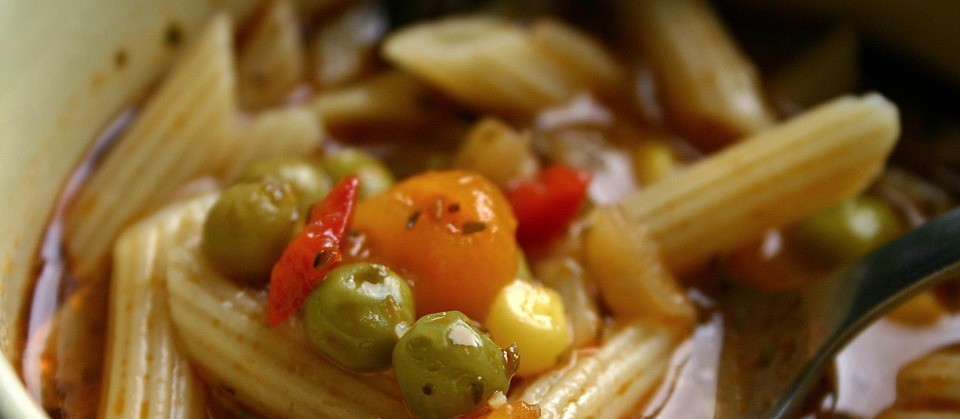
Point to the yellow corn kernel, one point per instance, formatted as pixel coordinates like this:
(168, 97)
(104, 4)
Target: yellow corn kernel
(532, 316)
(653, 160)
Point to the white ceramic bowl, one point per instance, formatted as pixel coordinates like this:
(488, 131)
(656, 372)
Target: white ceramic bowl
(60, 83)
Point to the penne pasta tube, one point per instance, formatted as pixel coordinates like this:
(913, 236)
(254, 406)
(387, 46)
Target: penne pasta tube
(770, 179)
(931, 380)
(271, 61)
(222, 328)
(180, 134)
(495, 65)
(145, 375)
(710, 89)
(582, 56)
(610, 381)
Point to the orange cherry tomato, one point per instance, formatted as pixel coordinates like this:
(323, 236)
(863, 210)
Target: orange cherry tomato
(451, 233)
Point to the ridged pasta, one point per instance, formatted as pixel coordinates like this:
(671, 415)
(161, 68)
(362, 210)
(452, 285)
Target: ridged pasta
(145, 374)
(495, 65)
(928, 388)
(275, 371)
(181, 133)
(710, 90)
(271, 60)
(770, 179)
(610, 381)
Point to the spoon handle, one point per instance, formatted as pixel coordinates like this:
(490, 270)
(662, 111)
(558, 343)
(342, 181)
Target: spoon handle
(850, 301)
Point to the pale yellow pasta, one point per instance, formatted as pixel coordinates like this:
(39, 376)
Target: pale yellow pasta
(625, 264)
(609, 382)
(389, 99)
(709, 88)
(495, 150)
(293, 131)
(343, 48)
(770, 179)
(582, 56)
(933, 380)
(145, 375)
(495, 65)
(222, 328)
(180, 134)
(827, 69)
(270, 61)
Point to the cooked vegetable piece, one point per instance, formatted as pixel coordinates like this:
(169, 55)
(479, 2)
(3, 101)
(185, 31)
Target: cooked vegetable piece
(446, 367)
(849, 230)
(312, 253)
(357, 314)
(567, 277)
(309, 184)
(493, 149)
(626, 265)
(374, 176)
(654, 160)
(532, 317)
(452, 232)
(247, 228)
(545, 206)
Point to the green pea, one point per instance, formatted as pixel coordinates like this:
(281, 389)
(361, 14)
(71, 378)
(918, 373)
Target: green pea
(247, 229)
(309, 183)
(357, 314)
(374, 175)
(847, 231)
(446, 367)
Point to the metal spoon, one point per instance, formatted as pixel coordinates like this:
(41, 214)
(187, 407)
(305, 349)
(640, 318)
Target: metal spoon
(835, 310)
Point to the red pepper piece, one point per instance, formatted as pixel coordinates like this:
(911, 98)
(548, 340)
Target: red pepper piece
(545, 206)
(313, 253)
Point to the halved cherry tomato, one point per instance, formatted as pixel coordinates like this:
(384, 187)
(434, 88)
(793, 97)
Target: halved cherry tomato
(450, 233)
(310, 255)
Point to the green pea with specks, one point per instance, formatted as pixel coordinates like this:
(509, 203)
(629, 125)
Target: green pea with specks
(446, 367)
(247, 229)
(309, 183)
(357, 315)
(847, 231)
(374, 175)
